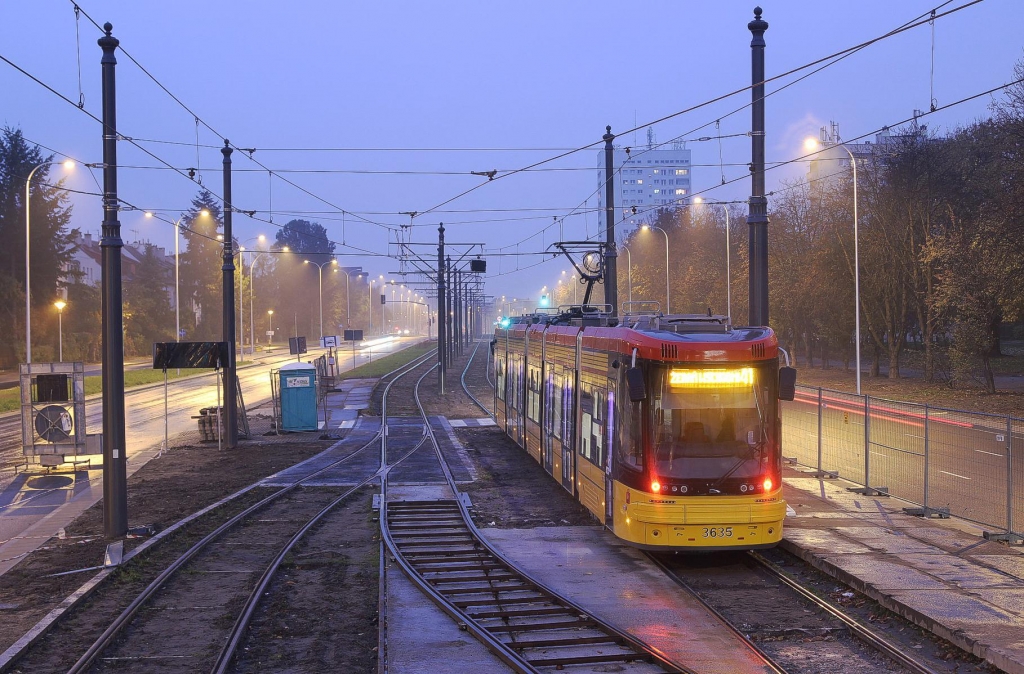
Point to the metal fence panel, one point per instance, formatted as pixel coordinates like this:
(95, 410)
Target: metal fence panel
(968, 465)
(843, 434)
(896, 442)
(800, 427)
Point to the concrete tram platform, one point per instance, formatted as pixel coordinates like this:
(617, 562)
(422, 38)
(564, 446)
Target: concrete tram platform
(943, 575)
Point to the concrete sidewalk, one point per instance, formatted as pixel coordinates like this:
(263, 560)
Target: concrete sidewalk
(943, 575)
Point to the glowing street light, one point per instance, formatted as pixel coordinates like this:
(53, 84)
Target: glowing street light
(668, 295)
(67, 164)
(60, 304)
(320, 270)
(270, 332)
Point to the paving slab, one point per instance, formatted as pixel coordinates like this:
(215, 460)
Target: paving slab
(422, 639)
(942, 574)
(619, 584)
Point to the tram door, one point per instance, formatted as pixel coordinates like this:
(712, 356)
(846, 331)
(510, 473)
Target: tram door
(546, 428)
(566, 426)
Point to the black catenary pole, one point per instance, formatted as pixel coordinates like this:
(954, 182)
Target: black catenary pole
(458, 312)
(449, 316)
(230, 395)
(115, 464)
(757, 220)
(611, 288)
(441, 309)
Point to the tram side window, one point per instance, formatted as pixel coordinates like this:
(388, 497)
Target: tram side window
(567, 410)
(592, 427)
(555, 406)
(586, 422)
(538, 390)
(631, 444)
(499, 378)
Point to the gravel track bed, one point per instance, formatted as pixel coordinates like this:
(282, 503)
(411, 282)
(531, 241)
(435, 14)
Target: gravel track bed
(797, 634)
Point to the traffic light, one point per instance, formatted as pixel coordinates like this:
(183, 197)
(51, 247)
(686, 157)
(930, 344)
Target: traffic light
(543, 301)
(383, 299)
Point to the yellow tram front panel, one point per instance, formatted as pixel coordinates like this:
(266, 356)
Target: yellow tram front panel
(712, 522)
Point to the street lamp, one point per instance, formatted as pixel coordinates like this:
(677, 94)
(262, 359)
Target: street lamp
(68, 164)
(668, 296)
(728, 251)
(369, 307)
(629, 273)
(270, 332)
(241, 299)
(60, 304)
(348, 293)
(811, 145)
(177, 300)
(320, 271)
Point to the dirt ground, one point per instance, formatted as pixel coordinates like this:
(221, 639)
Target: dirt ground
(160, 493)
(339, 559)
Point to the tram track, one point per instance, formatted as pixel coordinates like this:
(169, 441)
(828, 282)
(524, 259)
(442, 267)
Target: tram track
(526, 624)
(235, 550)
(786, 622)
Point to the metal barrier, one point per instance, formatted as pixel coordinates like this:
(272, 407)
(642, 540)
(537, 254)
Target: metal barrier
(947, 462)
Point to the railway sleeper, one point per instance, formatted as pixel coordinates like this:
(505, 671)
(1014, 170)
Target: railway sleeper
(563, 643)
(574, 624)
(508, 614)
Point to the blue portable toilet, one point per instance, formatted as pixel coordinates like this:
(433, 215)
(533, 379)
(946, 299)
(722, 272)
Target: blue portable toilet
(298, 397)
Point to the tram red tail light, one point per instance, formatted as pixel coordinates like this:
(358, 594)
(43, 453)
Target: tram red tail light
(768, 484)
(655, 486)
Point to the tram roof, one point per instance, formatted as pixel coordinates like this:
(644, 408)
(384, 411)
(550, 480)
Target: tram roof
(683, 339)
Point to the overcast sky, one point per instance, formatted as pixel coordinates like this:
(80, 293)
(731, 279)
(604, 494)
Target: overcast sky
(397, 89)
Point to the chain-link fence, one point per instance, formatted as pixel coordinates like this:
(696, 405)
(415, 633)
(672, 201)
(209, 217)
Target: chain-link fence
(948, 462)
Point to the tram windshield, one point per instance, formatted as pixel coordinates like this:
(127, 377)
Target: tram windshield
(708, 422)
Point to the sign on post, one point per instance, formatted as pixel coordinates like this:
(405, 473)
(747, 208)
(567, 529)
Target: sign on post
(353, 335)
(296, 345)
(329, 341)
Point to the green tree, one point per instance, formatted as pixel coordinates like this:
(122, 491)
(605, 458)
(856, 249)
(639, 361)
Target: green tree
(50, 238)
(297, 291)
(201, 273)
(147, 305)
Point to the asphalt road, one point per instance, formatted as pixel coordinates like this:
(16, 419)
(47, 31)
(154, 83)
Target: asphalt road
(144, 405)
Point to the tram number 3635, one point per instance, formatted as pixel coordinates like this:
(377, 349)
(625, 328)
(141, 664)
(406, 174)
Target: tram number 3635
(717, 532)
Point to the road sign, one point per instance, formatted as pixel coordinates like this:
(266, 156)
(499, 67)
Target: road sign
(353, 335)
(328, 341)
(270, 333)
(296, 345)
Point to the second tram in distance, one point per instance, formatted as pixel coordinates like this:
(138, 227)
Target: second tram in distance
(666, 428)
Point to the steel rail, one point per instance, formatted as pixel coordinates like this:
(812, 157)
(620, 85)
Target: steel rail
(768, 660)
(466, 388)
(861, 632)
(237, 633)
(559, 604)
(89, 657)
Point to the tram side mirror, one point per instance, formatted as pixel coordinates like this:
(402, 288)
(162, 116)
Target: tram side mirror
(787, 383)
(635, 383)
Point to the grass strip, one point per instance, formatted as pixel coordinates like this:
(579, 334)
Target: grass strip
(379, 368)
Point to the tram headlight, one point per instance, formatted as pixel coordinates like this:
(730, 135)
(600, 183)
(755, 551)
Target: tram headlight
(768, 484)
(655, 486)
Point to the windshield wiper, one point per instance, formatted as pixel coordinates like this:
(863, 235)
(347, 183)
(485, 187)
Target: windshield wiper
(736, 466)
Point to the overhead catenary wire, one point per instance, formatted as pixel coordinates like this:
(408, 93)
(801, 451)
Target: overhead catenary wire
(825, 59)
(966, 99)
(390, 227)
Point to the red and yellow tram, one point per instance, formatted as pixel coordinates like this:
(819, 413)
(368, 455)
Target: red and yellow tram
(666, 428)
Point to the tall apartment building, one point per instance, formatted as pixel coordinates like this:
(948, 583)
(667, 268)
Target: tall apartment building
(647, 178)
